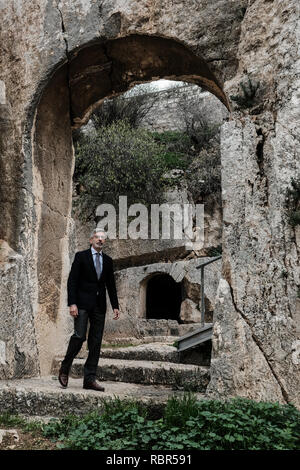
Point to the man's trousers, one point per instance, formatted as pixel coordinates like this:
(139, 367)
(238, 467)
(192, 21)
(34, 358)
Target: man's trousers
(97, 320)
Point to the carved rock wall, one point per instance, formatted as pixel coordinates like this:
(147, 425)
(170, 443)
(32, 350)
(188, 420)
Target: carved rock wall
(215, 45)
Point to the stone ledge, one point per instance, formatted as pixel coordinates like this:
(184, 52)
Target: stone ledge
(44, 397)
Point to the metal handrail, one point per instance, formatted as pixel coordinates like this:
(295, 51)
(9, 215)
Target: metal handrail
(202, 266)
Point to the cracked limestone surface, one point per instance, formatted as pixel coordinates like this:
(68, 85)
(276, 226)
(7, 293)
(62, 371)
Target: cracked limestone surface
(247, 373)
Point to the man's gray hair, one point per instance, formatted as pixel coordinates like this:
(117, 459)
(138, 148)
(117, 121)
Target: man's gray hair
(97, 230)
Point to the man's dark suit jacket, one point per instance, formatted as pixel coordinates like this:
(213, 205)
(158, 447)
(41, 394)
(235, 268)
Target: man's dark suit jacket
(84, 289)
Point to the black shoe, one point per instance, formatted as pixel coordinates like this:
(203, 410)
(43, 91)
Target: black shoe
(63, 378)
(93, 386)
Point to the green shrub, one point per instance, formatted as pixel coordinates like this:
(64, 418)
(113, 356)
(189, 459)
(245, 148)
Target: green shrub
(118, 161)
(204, 177)
(202, 133)
(246, 98)
(174, 160)
(177, 148)
(238, 424)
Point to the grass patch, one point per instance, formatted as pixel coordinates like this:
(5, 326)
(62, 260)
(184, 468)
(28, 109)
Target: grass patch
(8, 420)
(30, 434)
(177, 146)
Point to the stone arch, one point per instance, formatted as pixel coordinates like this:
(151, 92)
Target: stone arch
(92, 73)
(99, 70)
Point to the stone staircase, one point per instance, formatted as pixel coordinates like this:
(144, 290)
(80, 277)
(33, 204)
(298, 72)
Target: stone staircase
(151, 364)
(148, 371)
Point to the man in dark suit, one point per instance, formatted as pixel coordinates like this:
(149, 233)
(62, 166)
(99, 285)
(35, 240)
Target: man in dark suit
(91, 273)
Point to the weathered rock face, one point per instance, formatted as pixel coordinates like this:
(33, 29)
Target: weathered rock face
(18, 345)
(260, 296)
(263, 269)
(239, 365)
(57, 61)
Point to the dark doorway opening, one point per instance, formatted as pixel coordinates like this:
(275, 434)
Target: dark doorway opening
(163, 297)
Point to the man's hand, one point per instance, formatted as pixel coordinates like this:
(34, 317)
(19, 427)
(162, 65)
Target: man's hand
(73, 310)
(117, 313)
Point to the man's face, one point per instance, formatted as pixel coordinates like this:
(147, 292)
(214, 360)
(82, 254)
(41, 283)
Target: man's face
(98, 240)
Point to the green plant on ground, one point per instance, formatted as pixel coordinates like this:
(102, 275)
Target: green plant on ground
(178, 411)
(185, 423)
(176, 139)
(10, 420)
(175, 160)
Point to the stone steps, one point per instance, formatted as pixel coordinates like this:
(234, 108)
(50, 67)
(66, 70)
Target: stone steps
(43, 397)
(145, 372)
(151, 351)
(148, 373)
(154, 351)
